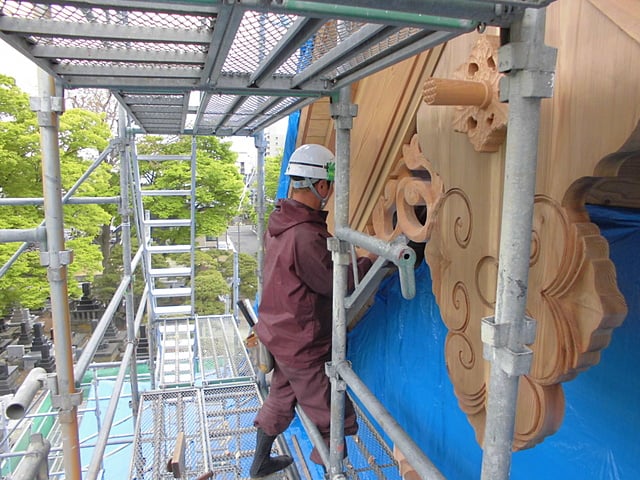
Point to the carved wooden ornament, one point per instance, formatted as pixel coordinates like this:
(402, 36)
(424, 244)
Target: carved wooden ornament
(573, 295)
(474, 90)
(414, 184)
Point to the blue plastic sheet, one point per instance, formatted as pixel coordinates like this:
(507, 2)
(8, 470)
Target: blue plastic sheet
(398, 351)
(289, 147)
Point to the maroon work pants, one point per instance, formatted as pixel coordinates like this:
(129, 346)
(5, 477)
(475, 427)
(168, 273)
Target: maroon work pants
(311, 389)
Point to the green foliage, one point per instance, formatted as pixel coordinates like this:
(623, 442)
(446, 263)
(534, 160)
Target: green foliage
(213, 265)
(211, 289)
(248, 271)
(20, 175)
(106, 284)
(26, 282)
(218, 184)
(82, 134)
(271, 182)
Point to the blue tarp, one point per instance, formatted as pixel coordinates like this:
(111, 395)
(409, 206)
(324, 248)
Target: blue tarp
(289, 147)
(398, 351)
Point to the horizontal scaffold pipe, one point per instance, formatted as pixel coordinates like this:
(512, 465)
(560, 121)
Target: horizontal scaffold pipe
(397, 252)
(391, 17)
(18, 202)
(416, 458)
(96, 338)
(31, 235)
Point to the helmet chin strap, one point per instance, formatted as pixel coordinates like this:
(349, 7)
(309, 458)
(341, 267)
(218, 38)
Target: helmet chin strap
(306, 183)
(323, 200)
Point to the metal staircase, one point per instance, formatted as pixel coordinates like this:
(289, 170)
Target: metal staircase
(169, 280)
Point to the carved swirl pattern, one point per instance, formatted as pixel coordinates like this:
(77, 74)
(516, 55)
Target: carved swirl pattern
(572, 291)
(485, 280)
(460, 302)
(463, 221)
(571, 286)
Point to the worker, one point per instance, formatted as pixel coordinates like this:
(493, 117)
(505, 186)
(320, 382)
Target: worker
(295, 311)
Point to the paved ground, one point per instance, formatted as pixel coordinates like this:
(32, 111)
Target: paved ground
(243, 238)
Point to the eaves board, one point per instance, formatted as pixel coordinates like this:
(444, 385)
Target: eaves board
(217, 68)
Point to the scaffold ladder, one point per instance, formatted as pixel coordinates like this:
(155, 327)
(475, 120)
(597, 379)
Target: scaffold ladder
(170, 278)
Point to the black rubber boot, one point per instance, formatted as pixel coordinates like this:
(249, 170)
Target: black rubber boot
(263, 464)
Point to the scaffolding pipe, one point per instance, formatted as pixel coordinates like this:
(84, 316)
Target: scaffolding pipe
(402, 255)
(23, 201)
(342, 112)
(19, 404)
(125, 213)
(34, 465)
(261, 146)
(367, 14)
(94, 342)
(103, 438)
(101, 443)
(192, 229)
(22, 248)
(314, 435)
(236, 279)
(56, 259)
(506, 336)
(31, 235)
(416, 458)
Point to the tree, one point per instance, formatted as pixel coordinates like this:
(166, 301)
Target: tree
(82, 134)
(271, 182)
(106, 284)
(95, 100)
(211, 289)
(218, 184)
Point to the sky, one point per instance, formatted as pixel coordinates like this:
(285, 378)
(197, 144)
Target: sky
(19, 67)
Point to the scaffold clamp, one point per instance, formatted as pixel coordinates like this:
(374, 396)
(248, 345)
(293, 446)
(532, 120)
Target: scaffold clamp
(495, 337)
(332, 372)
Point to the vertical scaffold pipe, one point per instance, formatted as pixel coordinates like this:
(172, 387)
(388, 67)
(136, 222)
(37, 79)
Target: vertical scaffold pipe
(56, 258)
(261, 146)
(343, 114)
(530, 78)
(125, 215)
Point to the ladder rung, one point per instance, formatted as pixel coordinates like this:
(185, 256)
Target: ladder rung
(164, 193)
(163, 158)
(170, 272)
(168, 222)
(169, 248)
(171, 292)
(174, 310)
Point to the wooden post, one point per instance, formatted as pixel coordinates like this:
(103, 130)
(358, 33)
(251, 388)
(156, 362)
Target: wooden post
(443, 91)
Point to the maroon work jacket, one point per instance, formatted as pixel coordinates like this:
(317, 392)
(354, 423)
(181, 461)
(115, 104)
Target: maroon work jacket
(294, 316)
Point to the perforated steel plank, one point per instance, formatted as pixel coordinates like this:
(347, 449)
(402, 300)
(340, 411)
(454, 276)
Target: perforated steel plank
(222, 354)
(162, 415)
(229, 414)
(153, 55)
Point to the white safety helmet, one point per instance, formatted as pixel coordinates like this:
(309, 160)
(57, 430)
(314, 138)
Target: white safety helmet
(312, 161)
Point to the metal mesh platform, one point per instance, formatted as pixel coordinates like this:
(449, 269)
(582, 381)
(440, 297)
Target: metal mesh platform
(177, 339)
(229, 414)
(215, 414)
(217, 423)
(162, 416)
(247, 63)
(221, 352)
